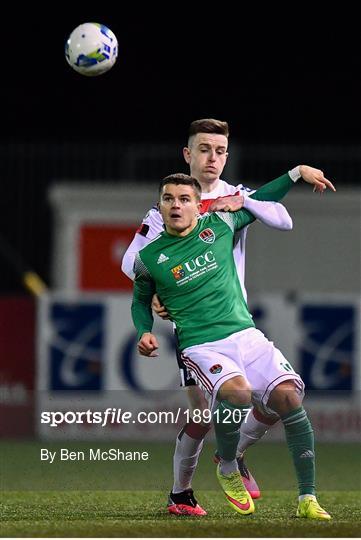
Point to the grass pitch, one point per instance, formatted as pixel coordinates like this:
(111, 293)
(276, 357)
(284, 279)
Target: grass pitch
(112, 499)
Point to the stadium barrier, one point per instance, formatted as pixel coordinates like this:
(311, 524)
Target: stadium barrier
(87, 361)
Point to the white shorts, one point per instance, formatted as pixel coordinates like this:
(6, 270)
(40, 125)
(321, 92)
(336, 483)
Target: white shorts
(248, 353)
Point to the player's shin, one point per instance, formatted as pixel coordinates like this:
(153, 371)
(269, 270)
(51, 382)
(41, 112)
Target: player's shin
(227, 419)
(300, 441)
(253, 428)
(189, 444)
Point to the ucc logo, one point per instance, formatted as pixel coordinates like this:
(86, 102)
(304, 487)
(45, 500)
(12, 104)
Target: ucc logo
(200, 261)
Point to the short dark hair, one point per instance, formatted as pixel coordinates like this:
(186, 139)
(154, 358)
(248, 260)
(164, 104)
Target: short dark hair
(208, 125)
(182, 179)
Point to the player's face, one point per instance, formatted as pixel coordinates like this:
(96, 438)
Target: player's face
(179, 207)
(206, 156)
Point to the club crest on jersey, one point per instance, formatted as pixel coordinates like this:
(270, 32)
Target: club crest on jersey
(178, 272)
(207, 235)
(217, 368)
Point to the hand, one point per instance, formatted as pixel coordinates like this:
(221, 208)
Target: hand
(316, 177)
(148, 345)
(158, 308)
(227, 204)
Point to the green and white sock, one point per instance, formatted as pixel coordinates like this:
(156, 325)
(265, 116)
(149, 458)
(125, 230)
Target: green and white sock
(300, 441)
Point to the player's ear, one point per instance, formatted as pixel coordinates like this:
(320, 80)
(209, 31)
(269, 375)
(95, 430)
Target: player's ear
(187, 154)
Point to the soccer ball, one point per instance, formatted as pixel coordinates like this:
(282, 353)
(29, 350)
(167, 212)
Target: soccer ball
(91, 49)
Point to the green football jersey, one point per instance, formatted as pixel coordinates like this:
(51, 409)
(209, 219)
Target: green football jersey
(195, 276)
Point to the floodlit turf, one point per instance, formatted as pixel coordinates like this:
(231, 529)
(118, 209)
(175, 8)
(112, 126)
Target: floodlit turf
(143, 514)
(117, 506)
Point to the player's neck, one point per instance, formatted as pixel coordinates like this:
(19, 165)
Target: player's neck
(182, 232)
(208, 186)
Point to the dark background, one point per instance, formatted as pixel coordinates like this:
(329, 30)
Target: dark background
(282, 78)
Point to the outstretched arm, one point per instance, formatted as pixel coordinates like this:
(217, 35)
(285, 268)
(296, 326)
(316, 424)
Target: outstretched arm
(270, 213)
(273, 191)
(278, 188)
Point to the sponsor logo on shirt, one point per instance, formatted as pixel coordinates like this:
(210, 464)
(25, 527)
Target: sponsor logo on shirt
(207, 235)
(217, 368)
(200, 261)
(194, 268)
(162, 258)
(178, 272)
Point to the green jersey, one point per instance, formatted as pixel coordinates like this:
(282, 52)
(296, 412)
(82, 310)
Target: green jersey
(196, 279)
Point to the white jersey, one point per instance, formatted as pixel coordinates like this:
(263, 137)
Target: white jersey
(239, 250)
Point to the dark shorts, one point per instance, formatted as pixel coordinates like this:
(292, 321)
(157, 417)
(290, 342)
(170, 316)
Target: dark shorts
(185, 376)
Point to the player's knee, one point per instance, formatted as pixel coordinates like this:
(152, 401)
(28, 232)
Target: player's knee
(269, 419)
(285, 397)
(195, 430)
(196, 398)
(237, 391)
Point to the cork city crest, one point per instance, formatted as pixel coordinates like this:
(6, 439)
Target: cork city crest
(178, 272)
(217, 368)
(207, 235)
